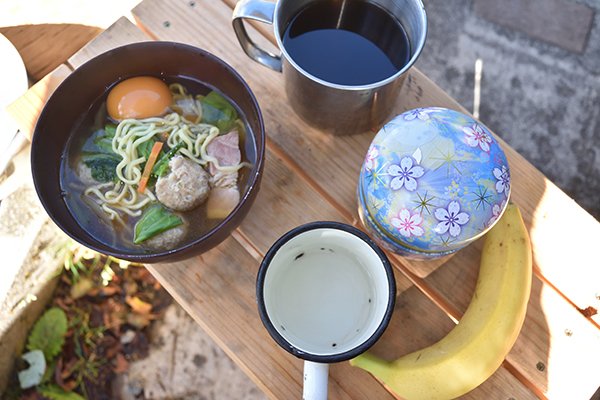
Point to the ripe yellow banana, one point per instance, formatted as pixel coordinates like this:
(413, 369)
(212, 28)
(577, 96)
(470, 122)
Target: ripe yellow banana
(476, 347)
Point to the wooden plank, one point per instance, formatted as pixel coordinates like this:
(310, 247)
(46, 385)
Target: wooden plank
(215, 291)
(280, 196)
(120, 33)
(26, 109)
(566, 351)
(284, 127)
(324, 170)
(44, 47)
(279, 187)
(531, 190)
(546, 209)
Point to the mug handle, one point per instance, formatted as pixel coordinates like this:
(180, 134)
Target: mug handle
(258, 10)
(315, 381)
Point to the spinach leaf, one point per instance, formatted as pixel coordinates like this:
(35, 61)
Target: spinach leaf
(103, 140)
(162, 165)
(110, 129)
(99, 156)
(217, 110)
(144, 149)
(102, 166)
(100, 141)
(155, 220)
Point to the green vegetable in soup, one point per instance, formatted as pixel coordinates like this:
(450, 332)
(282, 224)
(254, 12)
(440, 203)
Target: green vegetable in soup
(156, 219)
(105, 138)
(216, 110)
(145, 148)
(99, 157)
(102, 166)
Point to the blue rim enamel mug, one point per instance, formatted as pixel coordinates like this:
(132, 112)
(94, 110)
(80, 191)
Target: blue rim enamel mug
(325, 294)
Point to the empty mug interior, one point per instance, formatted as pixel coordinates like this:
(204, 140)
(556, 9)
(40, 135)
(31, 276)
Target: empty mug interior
(326, 292)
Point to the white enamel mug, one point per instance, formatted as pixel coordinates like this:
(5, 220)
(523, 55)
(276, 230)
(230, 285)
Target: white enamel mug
(325, 294)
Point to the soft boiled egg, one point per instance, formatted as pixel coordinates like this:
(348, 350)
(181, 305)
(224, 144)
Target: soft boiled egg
(139, 97)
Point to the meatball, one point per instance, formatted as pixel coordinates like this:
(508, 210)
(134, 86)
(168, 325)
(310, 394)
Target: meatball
(168, 239)
(185, 187)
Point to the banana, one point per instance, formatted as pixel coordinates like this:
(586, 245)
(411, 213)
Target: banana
(476, 347)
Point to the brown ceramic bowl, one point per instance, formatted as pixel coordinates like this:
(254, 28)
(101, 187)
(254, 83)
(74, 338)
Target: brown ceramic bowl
(72, 99)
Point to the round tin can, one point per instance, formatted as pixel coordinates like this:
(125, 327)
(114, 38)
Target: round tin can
(433, 181)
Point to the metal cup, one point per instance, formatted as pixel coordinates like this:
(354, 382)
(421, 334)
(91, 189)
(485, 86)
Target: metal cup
(335, 108)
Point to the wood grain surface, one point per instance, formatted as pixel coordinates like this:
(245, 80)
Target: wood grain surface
(309, 176)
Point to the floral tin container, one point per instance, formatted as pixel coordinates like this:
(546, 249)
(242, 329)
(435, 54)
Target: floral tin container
(433, 181)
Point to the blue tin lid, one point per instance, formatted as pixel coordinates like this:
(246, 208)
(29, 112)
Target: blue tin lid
(434, 180)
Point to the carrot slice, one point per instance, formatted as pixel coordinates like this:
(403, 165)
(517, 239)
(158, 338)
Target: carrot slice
(149, 165)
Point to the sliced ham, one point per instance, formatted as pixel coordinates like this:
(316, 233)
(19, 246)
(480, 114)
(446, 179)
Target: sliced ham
(224, 195)
(226, 149)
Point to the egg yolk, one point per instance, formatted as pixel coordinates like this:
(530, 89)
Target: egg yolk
(139, 97)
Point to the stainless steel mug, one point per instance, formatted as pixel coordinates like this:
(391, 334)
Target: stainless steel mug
(335, 108)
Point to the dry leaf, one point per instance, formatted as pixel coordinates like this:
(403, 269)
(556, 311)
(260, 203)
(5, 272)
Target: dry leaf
(138, 320)
(137, 305)
(68, 368)
(109, 290)
(130, 287)
(121, 364)
(81, 288)
(589, 311)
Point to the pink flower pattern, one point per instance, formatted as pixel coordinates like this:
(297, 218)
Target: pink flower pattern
(496, 212)
(370, 159)
(408, 224)
(475, 136)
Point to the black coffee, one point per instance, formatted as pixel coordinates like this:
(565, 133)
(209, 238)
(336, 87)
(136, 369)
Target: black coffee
(347, 42)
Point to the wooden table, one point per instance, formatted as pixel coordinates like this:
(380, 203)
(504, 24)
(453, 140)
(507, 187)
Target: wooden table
(311, 176)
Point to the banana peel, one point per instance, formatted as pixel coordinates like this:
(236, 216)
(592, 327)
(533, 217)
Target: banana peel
(474, 349)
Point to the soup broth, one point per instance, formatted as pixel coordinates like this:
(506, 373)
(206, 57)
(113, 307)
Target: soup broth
(119, 232)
